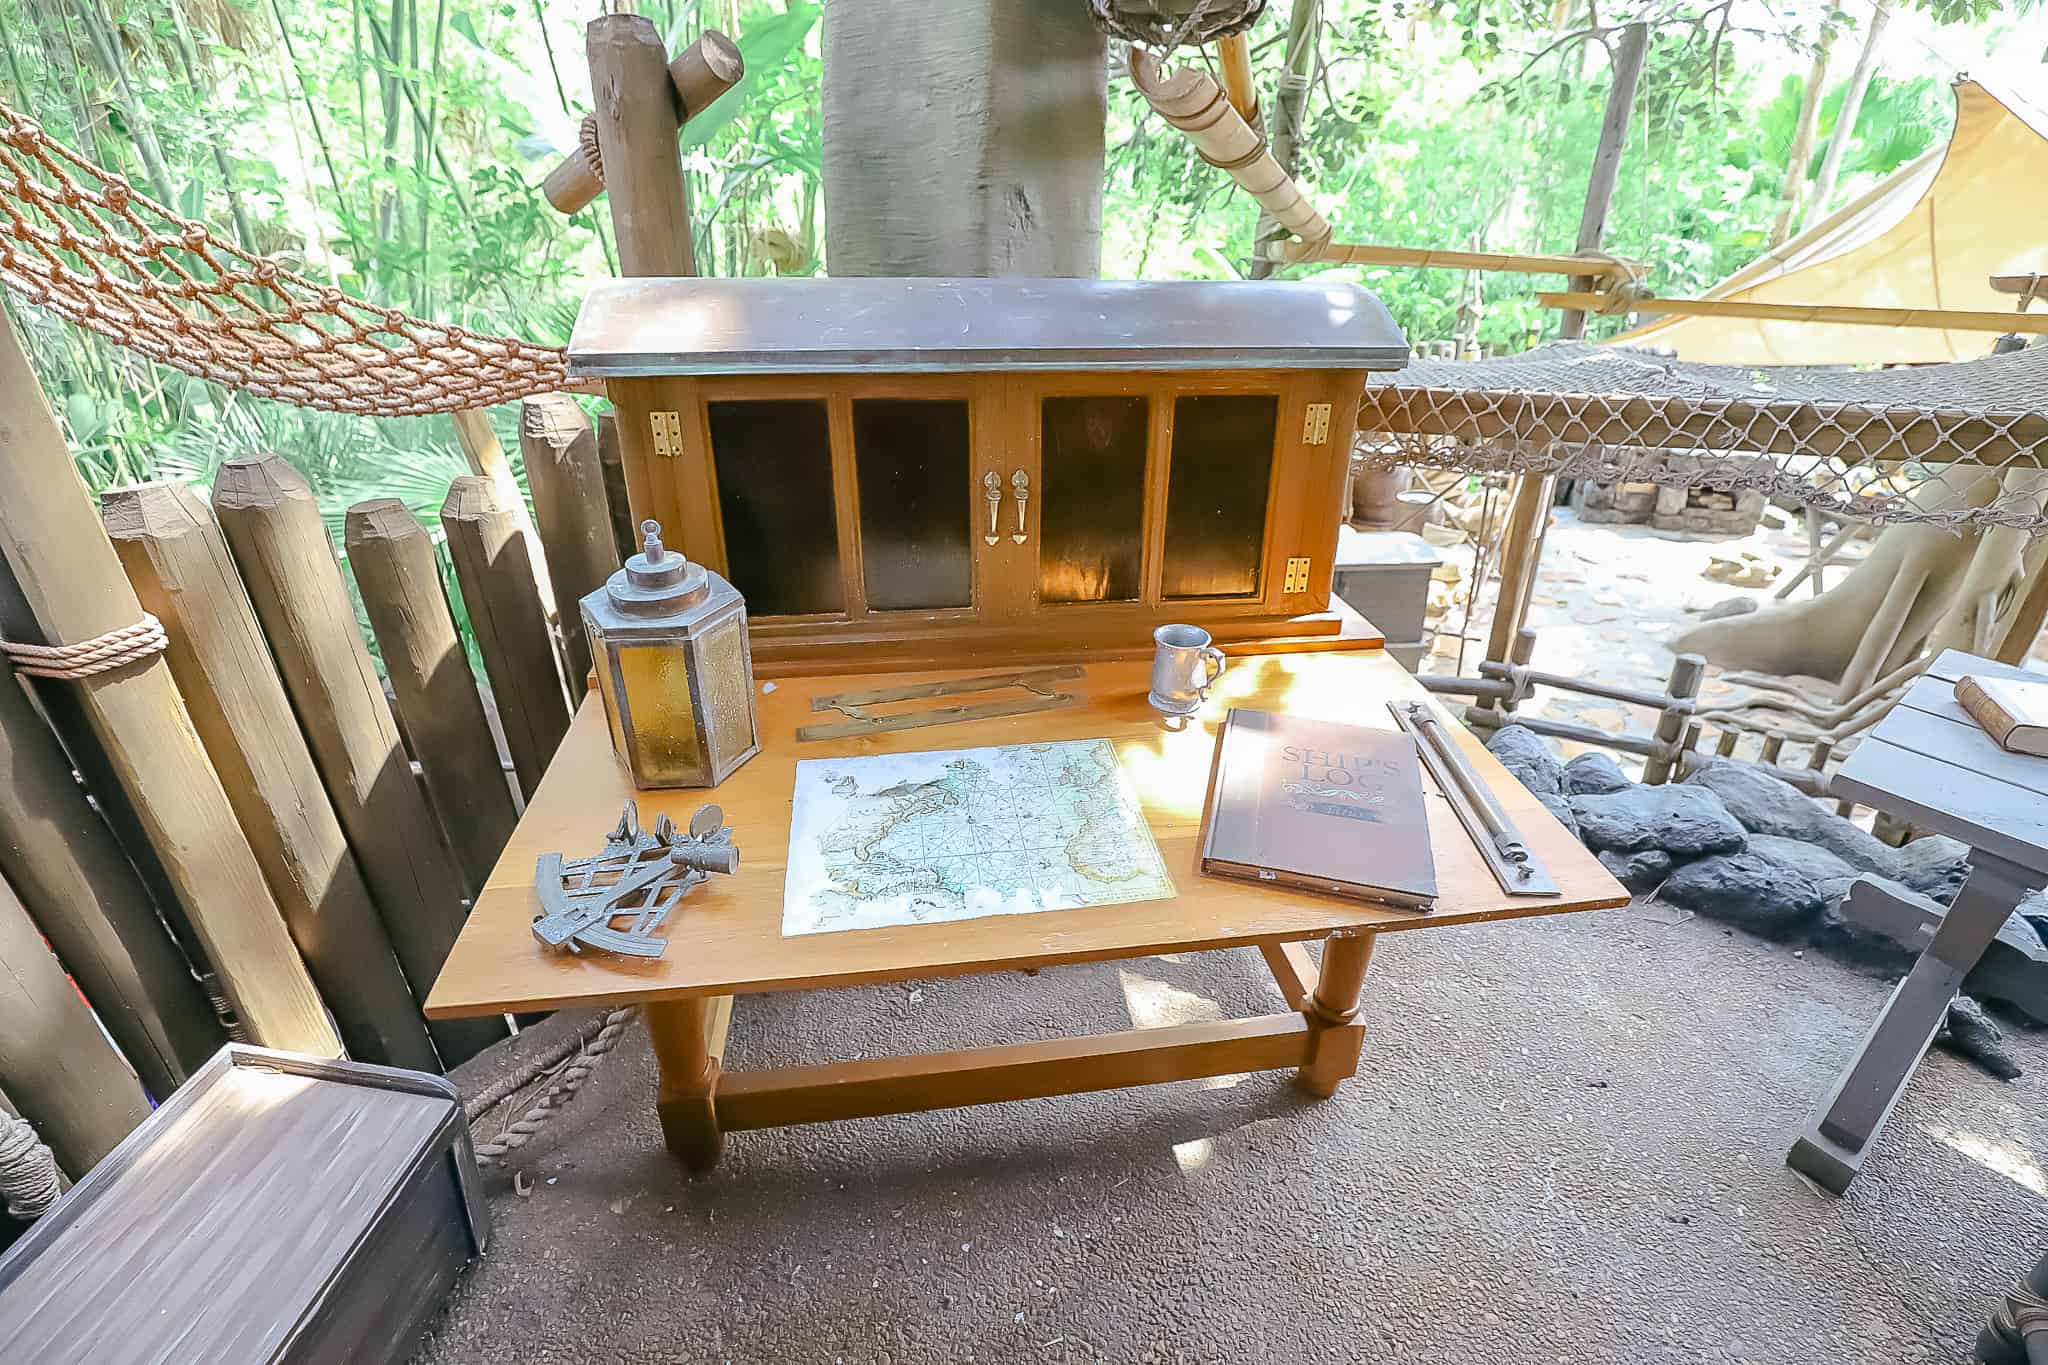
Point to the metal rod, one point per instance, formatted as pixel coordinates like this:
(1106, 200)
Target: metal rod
(1493, 833)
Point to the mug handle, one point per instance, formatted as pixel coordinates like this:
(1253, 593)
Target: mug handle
(1212, 664)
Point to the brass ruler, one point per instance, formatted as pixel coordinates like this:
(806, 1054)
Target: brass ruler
(1040, 685)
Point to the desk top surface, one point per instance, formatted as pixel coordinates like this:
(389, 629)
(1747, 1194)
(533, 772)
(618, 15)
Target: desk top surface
(726, 937)
(1930, 763)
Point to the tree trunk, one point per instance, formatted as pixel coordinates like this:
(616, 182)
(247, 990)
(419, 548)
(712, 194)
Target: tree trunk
(1922, 588)
(1852, 105)
(1793, 195)
(963, 137)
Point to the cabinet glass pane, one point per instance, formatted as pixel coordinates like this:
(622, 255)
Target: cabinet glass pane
(1091, 524)
(1221, 464)
(774, 464)
(911, 456)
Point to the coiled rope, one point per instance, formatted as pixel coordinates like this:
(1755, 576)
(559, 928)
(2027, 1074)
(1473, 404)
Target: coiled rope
(28, 1172)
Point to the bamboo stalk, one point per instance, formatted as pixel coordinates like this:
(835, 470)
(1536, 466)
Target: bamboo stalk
(496, 578)
(73, 584)
(1940, 319)
(429, 671)
(1512, 262)
(181, 570)
(1190, 101)
(60, 1069)
(272, 524)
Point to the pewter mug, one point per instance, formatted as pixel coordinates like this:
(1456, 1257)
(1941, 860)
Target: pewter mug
(1185, 665)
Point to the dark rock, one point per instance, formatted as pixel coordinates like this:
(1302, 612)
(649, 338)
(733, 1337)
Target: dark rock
(1594, 774)
(1727, 607)
(1639, 872)
(2014, 969)
(1969, 1033)
(1748, 891)
(1765, 805)
(1524, 753)
(1817, 864)
(1683, 821)
(1850, 940)
(1557, 806)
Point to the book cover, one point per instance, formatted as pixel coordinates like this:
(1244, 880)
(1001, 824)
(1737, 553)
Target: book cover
(1319, 806)
(2013, 711)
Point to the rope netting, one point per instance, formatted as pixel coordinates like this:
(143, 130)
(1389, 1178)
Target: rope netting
(84, 244)
(1959, 444)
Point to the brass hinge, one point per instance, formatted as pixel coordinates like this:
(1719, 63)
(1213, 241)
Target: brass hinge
(1315, 424)
(1297, 573)
(668, 433)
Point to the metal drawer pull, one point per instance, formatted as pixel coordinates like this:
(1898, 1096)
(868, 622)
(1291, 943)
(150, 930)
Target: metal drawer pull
(992, 489)
(1020, 486)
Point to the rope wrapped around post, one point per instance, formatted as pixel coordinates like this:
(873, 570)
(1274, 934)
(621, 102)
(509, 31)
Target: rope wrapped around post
(28, 1172)
(101, 654)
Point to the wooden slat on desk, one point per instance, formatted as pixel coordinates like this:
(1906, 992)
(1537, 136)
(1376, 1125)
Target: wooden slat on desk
(1954, 663)
(1948, 799)
(1928, 730)
(727, 937)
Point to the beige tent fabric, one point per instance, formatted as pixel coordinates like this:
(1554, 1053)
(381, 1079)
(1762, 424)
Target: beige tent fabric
(1930, 236)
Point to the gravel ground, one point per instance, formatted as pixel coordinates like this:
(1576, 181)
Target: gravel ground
(1565, 1143)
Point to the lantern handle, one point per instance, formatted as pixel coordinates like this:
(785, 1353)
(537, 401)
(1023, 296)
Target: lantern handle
(650, 541)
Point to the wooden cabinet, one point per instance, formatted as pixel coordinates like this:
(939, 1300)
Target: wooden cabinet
(945, 511)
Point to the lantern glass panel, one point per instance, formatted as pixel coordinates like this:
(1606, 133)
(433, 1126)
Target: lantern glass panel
(663, 747)
(728, 711)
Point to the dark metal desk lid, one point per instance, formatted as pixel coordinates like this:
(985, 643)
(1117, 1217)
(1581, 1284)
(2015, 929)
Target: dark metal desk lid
(669, 325)
(232, 1212)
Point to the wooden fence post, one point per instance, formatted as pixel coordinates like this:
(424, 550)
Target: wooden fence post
(559, 445)
(637, 118)
(73, 584)
(496, 576)
(182, 571)
(87, 899)
(267, 513)
(68, 1080)
(401, 586)
(616, 499)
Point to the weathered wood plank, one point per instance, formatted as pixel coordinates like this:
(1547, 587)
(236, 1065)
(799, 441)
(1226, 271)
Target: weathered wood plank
(60, 1069)
(272, 524)
(85, 896)
(1959, 740)
(637, 118)
(1947, 799)
(496, 577)
(617, 501)
(182, 571)
(51, 538)
(400, 582)
(563, 468)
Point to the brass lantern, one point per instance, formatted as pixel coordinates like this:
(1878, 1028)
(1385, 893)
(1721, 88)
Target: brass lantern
(669, 639)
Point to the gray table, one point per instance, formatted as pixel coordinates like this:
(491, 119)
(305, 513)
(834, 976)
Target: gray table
(1929, 763)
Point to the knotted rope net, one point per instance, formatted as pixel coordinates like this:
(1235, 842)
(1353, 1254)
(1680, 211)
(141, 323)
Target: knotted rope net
(1961, 444)
(83, 243)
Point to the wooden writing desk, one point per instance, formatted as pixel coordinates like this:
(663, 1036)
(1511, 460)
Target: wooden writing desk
(726, 938)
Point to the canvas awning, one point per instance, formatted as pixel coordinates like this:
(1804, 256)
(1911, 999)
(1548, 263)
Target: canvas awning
(1930, 236)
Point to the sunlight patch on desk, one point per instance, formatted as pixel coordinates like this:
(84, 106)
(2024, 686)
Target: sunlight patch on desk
(1995, 1155)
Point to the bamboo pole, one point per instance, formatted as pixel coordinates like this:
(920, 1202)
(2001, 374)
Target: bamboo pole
(617, 500)
(90, 903)
(181, 569)
(1304, 25)
(637, 119)
(1833, 314)
(1234, 60)
(2027, 617)
(1190, 101)
(270, 521)
(429, 671)
(73, 584)
(1511, 262)
(57, 1065)
(559, 447)
(496, 578)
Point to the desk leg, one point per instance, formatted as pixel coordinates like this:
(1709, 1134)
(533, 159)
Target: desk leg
(1333, 1050)
(1831, 1147)
(689, 1043)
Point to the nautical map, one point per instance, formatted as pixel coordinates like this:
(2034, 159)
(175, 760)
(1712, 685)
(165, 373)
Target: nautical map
(956, 834)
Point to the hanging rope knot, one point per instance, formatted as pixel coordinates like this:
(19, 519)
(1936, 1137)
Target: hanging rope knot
(101, 654)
